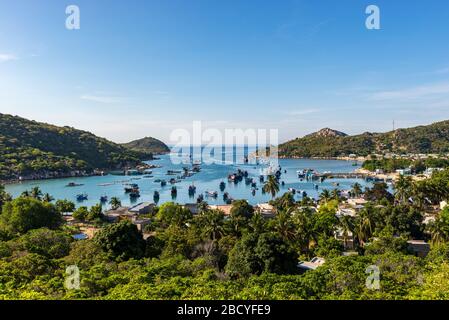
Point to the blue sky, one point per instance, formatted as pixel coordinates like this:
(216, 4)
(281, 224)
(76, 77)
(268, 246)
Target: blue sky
(147, 67)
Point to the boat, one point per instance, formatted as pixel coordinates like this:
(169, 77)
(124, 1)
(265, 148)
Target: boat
(73, 184)
(104, 199)
(200, 198)
(173, 172)
(81, 197)
(292, 190)
(192, 190)
(131, 188)
(212, 194)
(174, 192)
(134, 194)
(163, 183)
(222, 186)
(157, 181)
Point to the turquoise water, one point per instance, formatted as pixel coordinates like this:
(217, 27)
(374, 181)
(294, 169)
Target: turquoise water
(207, 180)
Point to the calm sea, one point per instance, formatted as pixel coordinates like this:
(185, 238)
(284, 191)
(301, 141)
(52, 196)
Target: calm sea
(207, 180)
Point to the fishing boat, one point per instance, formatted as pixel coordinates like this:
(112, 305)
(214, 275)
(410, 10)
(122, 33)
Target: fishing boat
(173, 172)
(134, 194)
(212, 194)
(81, 197)
(104, 199)
(192, 190)
(222, 186)
(163, 183)
(73, 184)
(156, 196)
(174, 191)
(131, 188)
(157, 181)
(292, 190)
(200, 198)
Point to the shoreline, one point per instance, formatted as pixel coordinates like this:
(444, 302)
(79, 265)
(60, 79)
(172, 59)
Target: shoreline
(99, 172)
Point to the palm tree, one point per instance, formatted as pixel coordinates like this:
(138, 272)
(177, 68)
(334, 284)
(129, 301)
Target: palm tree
(36, 193)
(346, 224)
(47, 198)
(403, 189)
(285, 226)
(271, 186)
(25, 194)
(336, 194)
(356, 189)
(115, 203)
(364, 227)
(213, 224)
(203, 207)
(438, 232)
(325, 196)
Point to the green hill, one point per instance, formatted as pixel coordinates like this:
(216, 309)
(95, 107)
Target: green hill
(148, 145)
(33, 149)
(433, 138)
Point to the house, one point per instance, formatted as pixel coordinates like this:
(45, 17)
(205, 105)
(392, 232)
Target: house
(312, 265)
(192, 207)
(404, 172)
(357, 202)
(142, 208)
(115, 215)
(420, 248)
(225, 208)
(141, 223)
(341, 212)
(266, 210)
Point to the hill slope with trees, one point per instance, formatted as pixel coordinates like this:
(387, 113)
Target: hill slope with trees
(433, 138)
(30, 148)
(148, 145)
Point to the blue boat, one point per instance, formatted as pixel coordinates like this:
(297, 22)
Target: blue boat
(81, 197)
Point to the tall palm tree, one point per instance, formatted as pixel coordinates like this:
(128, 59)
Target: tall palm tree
(403, 189)
(284, 226)
(364, 227)
(325, 196)
(438, 232)
(356, 189)
(213, 224)
(115, 203)
(47, 198)
(203, 207)
(271, 186)
(336, 194)
(36, 193)
(346, 224)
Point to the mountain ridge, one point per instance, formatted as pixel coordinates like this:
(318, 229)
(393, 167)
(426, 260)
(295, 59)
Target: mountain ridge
(433, 138)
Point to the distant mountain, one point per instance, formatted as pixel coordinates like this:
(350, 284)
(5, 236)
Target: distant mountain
(328, 143)
(148, 145)
(33, 149)
(326, 132)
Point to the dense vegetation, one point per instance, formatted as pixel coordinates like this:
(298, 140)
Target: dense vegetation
(433, 138)
(244, 256)
(393, 164)
(148, 145)
(29, 148)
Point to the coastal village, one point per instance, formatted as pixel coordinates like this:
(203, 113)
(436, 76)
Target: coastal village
(351, 204)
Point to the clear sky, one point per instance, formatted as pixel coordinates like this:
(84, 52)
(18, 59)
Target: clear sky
(145, 67)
